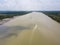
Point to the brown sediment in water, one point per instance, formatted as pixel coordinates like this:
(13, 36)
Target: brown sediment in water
(31, 29)
(24, 38)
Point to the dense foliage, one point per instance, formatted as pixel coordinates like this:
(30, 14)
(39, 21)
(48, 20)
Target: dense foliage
(54, 15)
(10, 14)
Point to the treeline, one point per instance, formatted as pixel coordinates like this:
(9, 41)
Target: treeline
(3, 16)
(54, 15)
(11, 14)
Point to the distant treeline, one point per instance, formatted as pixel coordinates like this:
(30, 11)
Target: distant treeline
(54, 15)
(10, 14)
(14, 12)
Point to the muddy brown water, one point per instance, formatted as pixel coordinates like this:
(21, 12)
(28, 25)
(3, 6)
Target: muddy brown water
(31, 29)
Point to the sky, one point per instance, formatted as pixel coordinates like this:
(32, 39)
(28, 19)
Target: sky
(29, 5)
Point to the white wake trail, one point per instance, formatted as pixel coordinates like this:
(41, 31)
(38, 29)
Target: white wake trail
(33, 31)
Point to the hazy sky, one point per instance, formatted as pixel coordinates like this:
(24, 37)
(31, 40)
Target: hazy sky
(29, 5)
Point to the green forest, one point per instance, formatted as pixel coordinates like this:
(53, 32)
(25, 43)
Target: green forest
(54, 15)
(4, 15)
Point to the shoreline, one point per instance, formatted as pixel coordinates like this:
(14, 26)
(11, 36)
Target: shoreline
(6, 20)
